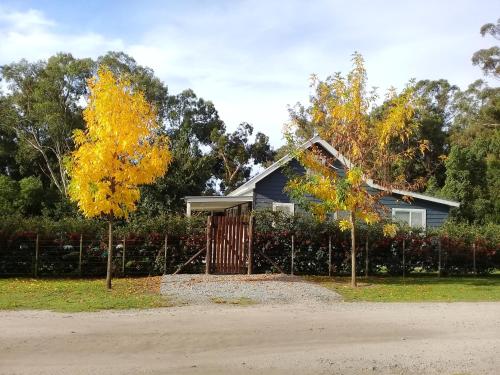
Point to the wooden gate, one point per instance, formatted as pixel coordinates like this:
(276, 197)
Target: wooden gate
(229, 244)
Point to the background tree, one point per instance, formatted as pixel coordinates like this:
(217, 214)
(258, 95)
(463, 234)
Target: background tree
(236, 154)
(188, 121)
(340, 114)
(143, 78)
(8, 144)
(46, 97)
(120, 149)
(489, 59)
(473, 165)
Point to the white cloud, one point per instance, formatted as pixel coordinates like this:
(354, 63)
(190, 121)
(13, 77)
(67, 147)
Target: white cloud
(31, 35)
(253, 58)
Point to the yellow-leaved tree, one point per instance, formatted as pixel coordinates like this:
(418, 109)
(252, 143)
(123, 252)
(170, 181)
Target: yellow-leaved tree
(121, 148)
(370, 146)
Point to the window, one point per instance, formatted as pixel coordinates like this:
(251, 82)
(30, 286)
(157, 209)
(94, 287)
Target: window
(285, 207)
(413, 217)
(342, 215)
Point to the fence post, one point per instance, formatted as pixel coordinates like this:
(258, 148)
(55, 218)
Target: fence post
(165, 255)
(367, 265)
(80, 256)
(439, 256)
(474, 258)
(36, 255)
(123, 255)
(250, 245)
(404, 263)
(208, 257)
(293, 254)
(330, 255)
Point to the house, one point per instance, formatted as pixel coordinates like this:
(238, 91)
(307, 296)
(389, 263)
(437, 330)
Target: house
(266, 190)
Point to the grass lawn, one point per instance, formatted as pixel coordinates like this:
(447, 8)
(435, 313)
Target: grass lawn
(414, 289)
(72, 295)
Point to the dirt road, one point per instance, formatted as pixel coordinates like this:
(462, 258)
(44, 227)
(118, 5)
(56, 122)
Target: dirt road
(338, 338)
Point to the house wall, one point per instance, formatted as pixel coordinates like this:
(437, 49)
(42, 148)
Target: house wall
(270, 190)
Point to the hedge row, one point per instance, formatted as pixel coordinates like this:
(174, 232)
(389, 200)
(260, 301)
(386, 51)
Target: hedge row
(76, 246)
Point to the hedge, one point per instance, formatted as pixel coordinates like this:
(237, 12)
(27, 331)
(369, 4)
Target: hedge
(140, 246)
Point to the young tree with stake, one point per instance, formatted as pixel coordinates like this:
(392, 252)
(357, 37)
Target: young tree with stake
(370, 145)
(121, 148)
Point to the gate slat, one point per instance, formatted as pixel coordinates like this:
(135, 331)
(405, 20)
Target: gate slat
(238, 245)
(235, 245)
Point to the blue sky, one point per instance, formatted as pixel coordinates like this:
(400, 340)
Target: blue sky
(254, 58)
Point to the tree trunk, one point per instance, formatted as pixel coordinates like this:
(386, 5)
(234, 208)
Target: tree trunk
(353, 252)
(110, 255)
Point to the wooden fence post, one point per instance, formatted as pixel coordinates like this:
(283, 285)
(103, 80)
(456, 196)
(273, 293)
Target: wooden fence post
(474, 258)
(250, 245)
(165, 254)
(404, 263)
(367, 266)
(80, 253)
(36, 255)
(293, 254)
(330, 255)
(123, 255)
(208, 257)
(439, 256)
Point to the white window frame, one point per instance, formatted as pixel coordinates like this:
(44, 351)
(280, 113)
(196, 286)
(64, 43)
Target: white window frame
(279, 204)
(410, 210)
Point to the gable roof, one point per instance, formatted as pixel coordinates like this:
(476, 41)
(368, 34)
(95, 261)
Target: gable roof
(248, 186)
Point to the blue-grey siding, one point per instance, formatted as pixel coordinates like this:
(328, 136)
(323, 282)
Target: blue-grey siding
(271, 189)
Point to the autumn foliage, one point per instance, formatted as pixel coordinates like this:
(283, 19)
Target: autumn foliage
(121, 148)
(369, 146)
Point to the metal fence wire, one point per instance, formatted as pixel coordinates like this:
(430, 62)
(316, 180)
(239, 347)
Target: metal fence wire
(80, 255)
(77, 255)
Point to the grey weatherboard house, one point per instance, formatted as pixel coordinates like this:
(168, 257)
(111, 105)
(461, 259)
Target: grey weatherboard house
(266, 190)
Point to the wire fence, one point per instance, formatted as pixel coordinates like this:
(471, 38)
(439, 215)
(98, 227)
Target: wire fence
(80, 255)
(75, 255)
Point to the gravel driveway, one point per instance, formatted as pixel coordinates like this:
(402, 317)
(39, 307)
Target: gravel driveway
(269, 289)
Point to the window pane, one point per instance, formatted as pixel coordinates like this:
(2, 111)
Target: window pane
(284, 207)
(402, 217)
(343, 214)
(416, 219)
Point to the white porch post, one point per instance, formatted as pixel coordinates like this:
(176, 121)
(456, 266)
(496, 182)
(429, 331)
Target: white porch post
(188, 209)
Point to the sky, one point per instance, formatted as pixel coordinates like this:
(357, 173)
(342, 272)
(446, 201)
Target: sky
(254, 59)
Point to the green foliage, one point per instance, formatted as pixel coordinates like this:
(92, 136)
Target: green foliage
(24, 196)
(489, 59)
(274, 231)
(145, 245)
(30, 191)
(45, 96)
(235, 155)
(8, 194)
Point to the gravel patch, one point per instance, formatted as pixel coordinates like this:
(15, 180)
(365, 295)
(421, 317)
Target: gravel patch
(268, 289)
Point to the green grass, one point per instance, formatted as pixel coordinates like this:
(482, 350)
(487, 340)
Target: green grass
(73, 295)
(241, 301)
(415, 289)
